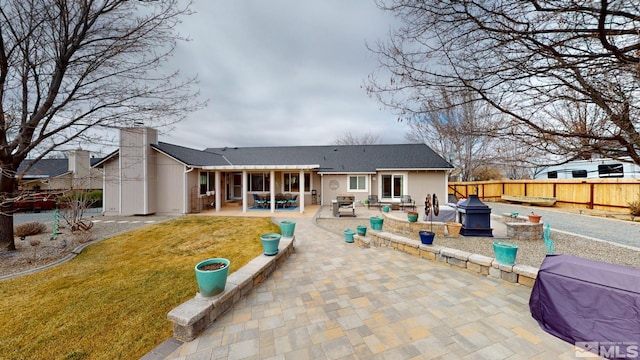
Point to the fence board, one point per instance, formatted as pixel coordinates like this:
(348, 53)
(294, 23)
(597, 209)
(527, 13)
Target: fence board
(601, 194)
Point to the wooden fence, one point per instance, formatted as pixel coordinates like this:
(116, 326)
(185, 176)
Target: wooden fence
(598, 194)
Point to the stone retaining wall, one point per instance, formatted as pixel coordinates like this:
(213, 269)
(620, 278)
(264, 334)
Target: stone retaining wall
(480, 264)
(193, 316)
(410, 229)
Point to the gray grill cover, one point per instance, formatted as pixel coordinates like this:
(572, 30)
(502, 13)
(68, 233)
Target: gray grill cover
(580, 300)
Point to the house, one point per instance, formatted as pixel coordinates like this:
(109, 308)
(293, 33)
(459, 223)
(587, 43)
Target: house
(75, 172)
(145, 176)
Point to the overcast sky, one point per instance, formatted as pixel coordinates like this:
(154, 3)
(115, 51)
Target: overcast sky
(283, 72)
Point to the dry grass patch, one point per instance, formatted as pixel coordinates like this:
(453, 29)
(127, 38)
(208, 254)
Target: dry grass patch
(111, 302)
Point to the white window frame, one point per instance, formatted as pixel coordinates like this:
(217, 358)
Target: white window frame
(307, 182)
(209, 184)
(404, 186)
(366, 183)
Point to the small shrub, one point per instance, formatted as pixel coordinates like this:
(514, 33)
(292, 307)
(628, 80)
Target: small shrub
(634, 208)
(30, 228)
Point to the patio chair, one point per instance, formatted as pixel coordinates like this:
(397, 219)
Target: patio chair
(373, 201)
(293, 201)
(259, 202)
(406, 201)
(280, 200)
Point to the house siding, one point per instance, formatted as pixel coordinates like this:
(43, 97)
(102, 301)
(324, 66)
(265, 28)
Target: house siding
(138, 171)
(111, 194)
(169, 185)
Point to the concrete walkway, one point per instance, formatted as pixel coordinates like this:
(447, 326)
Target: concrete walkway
(333, 300)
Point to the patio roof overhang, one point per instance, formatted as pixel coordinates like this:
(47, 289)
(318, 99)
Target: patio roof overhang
(262, 167)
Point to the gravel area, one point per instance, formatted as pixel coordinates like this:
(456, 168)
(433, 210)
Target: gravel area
(531, 252)
(48, 251)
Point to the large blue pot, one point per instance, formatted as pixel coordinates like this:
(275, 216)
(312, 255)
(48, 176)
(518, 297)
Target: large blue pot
(270, 243)
(505, 252)
(287, 227)
(212, 282)
(348, 235)
(426, 237)
(376, 222)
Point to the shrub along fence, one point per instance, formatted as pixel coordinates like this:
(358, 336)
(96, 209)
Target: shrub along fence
(599, 194)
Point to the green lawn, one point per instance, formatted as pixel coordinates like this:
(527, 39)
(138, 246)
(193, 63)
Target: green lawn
(111, 302)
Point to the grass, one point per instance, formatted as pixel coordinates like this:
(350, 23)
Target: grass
(111, 302)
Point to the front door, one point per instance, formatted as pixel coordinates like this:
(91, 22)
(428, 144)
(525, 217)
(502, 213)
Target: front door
(237, 186)
(234, 186)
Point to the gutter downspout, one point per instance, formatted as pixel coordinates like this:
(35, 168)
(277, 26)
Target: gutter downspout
(187, 170)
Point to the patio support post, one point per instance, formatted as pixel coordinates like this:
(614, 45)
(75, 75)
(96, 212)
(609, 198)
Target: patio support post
(301, 193)
(216, 187)
(244, 191)
(272, 188)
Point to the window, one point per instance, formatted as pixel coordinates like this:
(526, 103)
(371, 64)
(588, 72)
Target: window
(392, 186)
(357, 183)
(259, 182)
(207, 182)
(552, 175)
(610, 170)
(579, 173)
(292, 182)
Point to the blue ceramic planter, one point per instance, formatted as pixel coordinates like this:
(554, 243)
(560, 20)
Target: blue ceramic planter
(361, 230)
(348, 235)
(376, 222)
(426, 237)
(287, 228)
(212, 282)
(270, 243)
(505, 252)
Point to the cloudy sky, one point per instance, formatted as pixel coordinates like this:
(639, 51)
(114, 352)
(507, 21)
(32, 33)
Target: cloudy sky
(283, 72)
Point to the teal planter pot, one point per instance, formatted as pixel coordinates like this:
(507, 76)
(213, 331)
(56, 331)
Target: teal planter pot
(287, 228)
(386, 208)
(505, 252)
(376, 222)
(412, 216)
(212, 282)
(348, 235)
(361, 230)
(270, 243)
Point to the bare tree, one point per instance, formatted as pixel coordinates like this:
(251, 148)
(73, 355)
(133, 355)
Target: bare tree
(456, 129)
(564, 74)
(71, 68)
(349, 139)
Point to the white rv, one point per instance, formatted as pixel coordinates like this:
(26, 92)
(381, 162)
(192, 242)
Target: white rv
(590, 169)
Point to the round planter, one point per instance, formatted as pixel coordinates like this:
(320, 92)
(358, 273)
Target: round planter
(287, 228)
(348, 235)
(534, 218)
(270, 243)
(376, 222)
(426, 237)
(505, 252)
(361, 230)
(412, 216)
(212, 282)
(386, 208)
(453, 228)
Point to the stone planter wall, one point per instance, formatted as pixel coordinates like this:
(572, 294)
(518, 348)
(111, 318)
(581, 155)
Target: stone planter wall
(193, 316)
(480, 264)
(519, 228)
(410, 229)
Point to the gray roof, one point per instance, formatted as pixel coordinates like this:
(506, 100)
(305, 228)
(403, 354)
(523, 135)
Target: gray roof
(329, 158)
(45, 168)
